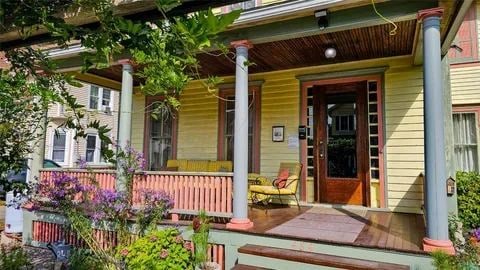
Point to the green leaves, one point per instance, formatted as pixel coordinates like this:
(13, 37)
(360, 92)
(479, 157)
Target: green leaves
(468, 189)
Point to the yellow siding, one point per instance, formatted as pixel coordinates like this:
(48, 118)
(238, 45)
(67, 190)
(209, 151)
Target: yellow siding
(197, 124)
(280, 105)
(138, 121)
(404, 138)
(465, 83)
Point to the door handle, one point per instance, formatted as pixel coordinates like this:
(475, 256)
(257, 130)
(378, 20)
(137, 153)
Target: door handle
(321, 149)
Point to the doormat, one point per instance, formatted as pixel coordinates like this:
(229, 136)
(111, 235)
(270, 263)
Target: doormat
(327, 224)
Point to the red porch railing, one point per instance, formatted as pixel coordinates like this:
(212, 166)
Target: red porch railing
(191, 191)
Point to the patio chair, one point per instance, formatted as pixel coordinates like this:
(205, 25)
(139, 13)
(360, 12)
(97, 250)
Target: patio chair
(285, 184)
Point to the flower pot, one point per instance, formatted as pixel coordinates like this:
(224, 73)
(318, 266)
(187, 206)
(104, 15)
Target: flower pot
(208, 266)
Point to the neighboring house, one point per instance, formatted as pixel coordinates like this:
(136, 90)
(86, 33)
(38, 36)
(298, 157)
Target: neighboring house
(465, 78)
(101, 103)
(371, 125)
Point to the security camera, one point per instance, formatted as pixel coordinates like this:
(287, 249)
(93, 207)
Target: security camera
(322, 17)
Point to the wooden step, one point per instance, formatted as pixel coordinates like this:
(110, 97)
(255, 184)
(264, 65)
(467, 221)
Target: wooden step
(247, 267)
(318, 259)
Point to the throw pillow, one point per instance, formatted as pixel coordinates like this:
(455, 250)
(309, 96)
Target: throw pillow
(282, 177)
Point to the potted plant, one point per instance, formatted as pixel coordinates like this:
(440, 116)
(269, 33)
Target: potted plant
(201, 230)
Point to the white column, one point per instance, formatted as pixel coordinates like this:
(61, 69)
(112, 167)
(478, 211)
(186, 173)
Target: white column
(125, 117)
(240, 218)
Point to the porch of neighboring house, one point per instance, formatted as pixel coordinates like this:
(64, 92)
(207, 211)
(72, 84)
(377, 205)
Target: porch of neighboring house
(355, 122)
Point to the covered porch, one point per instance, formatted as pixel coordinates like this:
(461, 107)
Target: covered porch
(293, 85)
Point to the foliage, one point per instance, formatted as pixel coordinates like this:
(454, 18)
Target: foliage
(201, 230)
(160, 249)
(468, 188)
(14, 258)
(84, 259)
(165, 49)
(467, 250)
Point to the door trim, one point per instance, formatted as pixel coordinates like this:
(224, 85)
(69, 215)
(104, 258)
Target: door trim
(304, 85)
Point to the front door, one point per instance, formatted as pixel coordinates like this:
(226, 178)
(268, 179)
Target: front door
(340, 143)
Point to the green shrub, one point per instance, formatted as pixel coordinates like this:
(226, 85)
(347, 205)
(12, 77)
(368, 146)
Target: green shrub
(158, 250)
(468, 188)
(84, 259)
(14, 258)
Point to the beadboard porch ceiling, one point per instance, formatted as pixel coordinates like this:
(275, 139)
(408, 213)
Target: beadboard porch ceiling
(351, 45)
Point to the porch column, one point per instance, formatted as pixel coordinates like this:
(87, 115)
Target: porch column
(436, 210)
(240, 170)
(125, 117)
(35, 164)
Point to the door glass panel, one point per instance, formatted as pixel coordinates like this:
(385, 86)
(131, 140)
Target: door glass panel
(160, 141)
(341, 136)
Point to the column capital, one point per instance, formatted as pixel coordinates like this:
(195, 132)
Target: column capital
(241, 43)
(431, 12)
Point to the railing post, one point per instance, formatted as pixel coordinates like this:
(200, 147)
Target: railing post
(240, 218)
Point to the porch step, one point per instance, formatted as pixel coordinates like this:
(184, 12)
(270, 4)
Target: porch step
(283, 258)
(247, 267)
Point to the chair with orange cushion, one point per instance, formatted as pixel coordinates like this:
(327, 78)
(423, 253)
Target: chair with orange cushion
(286, 184)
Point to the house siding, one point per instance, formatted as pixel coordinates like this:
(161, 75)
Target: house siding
(280, 105)
(76, 149)
(464, 78)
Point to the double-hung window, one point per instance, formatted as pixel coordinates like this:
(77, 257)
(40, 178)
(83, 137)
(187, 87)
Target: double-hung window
(100, 98)
(59, 146)
(465, 131)
(93, 149)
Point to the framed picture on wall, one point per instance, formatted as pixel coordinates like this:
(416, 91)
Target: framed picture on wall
(277, 133)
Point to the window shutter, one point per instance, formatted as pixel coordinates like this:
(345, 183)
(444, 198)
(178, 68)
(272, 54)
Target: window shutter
(466, 39)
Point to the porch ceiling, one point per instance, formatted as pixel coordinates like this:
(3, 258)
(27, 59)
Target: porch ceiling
(351, 45)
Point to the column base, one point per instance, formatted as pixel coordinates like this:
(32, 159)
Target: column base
(240, 224)
(446, 246)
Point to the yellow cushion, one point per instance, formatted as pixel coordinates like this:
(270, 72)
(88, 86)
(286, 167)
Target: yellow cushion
(172, 163)
(270, 190)
(197, 166)
(220, 166)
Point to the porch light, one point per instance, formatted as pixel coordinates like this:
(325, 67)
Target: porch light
(330, 53)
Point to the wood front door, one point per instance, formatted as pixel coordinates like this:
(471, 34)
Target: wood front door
(340, 143)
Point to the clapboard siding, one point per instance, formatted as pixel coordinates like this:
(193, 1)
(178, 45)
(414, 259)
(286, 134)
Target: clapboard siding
(465, 85)
(138, 121)
(197, 124)
(76, 149)
(404, 138)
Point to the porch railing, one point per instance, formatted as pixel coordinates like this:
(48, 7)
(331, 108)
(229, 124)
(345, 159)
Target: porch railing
(191, 191)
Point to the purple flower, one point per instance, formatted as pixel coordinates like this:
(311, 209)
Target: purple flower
(82, 163)
(476, 234)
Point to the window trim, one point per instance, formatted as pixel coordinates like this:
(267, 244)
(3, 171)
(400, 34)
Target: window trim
(256, 91)
(100, 98)
(147, 129)
(459, 109)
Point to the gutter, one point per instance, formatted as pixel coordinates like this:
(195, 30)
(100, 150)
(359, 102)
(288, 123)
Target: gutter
(452, 31)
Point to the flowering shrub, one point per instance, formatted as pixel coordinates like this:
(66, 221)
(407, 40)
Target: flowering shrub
(476, 234)
(162, 249)
(201, 230)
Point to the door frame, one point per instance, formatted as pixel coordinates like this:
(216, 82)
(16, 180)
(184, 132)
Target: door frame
(321, 178)
(304, 85)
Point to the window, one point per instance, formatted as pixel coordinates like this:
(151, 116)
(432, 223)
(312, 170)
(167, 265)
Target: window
(466, 39)
(244, 5)
(465, 129)
(161, 141)
(344, 123)
(59, 142)
(91, 148)
(160, 144)
(100, 98)
(226, 128)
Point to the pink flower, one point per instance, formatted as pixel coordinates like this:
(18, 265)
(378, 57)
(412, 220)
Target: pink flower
(188, 245)
(164, 254)
(179, 239)
(153, 238)
(124, 252)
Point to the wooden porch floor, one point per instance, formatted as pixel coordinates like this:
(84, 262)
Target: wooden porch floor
(364, 228)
